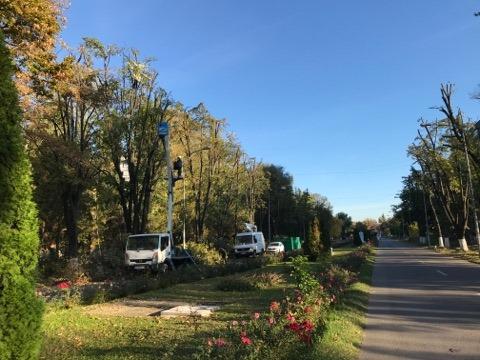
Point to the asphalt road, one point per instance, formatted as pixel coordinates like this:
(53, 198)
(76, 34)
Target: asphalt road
(423, 306)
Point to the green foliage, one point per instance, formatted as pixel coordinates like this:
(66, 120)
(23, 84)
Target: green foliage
(346, 222)
(413, 231)
(252, 282)
(314, 245)
(360, 227)
(20, 311)
(304, 280)
(204, 254)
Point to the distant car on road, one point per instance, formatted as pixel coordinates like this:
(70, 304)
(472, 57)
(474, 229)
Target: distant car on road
(276, 247)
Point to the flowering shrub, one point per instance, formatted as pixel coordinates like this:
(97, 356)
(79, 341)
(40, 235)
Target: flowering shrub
(335, 281)
(354, 260)
(289, 325)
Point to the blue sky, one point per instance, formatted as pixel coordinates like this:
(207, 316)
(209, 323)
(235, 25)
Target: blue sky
(331, 90)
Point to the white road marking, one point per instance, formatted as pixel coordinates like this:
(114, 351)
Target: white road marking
(441, 272)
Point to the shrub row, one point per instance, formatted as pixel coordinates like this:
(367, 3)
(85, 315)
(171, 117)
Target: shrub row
(105, 291)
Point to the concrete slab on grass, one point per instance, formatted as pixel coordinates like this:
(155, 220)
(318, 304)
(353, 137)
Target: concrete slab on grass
(190, 310)
(129, 307)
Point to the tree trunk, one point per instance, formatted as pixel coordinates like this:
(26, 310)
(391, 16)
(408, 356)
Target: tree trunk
(71, 207)
(437, 222)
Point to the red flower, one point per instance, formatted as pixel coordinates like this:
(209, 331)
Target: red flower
(64, 284)
(274, 306)
(245, 340)
(294, 327)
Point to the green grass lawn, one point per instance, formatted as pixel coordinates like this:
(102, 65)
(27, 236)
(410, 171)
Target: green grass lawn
(75, 334)
(344, 330)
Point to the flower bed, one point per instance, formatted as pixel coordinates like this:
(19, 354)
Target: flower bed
(291, 325)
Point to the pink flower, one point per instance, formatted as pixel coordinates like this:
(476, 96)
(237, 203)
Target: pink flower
(290, 317)
(307, 310)
(209, 342)
(220, 342)
(308, 326)
(234, 323)
(274, 306)
(256, 316)
(271, 321)
(245, 340)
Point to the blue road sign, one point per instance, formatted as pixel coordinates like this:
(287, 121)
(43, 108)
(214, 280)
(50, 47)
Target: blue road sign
(162, 129)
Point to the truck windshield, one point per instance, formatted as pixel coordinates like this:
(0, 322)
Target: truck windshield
(244, 239)
(147, 242)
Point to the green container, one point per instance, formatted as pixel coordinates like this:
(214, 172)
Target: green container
(290, 243)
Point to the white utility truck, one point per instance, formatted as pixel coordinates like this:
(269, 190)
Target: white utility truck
(147, 251)
(249, 243)
(156, 251)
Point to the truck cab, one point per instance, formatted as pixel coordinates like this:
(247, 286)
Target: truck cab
(249, 244)
(148, 251)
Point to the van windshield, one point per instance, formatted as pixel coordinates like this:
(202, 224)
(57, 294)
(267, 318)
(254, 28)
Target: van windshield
(244, 239)
(147, 242)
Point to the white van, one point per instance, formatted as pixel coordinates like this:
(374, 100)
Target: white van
(147, 251)
(249, 244)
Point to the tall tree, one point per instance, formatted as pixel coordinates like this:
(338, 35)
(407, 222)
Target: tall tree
(314, 245)
(20, 310)
(135, 107)
(346, 223)
(66, 132)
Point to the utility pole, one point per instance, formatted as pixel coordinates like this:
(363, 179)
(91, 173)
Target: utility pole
(269, 222)
(163, 132)
(184, 217)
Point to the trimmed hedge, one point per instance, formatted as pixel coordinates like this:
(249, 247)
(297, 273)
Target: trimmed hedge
(20, 310)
